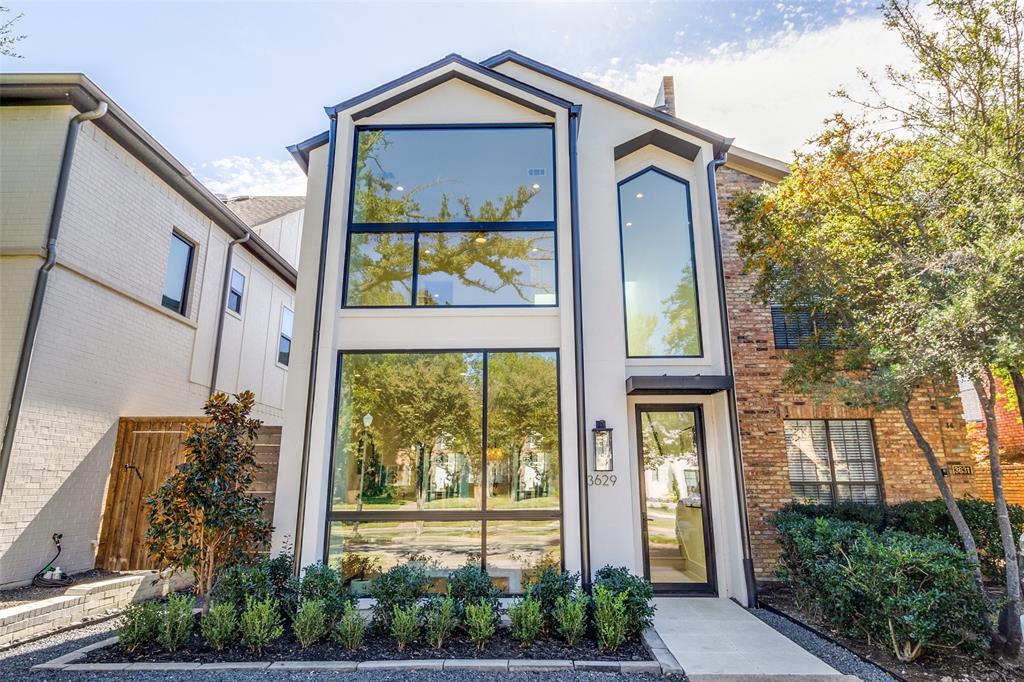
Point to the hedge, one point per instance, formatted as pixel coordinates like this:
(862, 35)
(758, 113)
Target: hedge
(930, 519)
(908, 593)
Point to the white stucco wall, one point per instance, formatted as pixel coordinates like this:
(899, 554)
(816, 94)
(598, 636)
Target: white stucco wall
(614, 510)
(105, 347)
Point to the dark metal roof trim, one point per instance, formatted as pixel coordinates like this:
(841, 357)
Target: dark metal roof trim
(77, 90)
(718, 142)
(678, 385)
(446, 61)
(300, 151)
(661, 140)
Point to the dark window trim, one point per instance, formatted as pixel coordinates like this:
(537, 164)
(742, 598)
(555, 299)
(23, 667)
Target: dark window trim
(232, 290)
(483, 514)
(833, 484)
(693, 257)
(186, 293)
(416, 228)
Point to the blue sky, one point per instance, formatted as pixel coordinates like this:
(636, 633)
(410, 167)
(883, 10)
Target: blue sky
(226, 86)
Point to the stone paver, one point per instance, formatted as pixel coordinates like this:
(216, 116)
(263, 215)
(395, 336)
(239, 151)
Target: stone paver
(717, 637)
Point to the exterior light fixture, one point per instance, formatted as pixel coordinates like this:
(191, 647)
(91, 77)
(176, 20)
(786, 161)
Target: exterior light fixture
(367, 419)
(536, 186)
(400, 188)
(603, 460)
(629, 224)
(639, 195)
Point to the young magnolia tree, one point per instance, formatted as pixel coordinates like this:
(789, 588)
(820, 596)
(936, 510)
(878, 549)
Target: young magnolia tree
(203, 516)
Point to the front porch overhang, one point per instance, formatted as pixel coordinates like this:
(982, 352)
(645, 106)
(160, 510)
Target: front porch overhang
(696, 384)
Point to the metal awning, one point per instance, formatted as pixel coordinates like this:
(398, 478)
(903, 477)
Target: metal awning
(697, 384)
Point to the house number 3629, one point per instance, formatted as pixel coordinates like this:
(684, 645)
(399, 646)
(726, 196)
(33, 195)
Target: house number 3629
(602, 479)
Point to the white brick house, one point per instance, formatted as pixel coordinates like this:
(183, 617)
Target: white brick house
(110, 340)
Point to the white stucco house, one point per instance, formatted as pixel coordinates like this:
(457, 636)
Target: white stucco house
(510, 339)
(121, 293)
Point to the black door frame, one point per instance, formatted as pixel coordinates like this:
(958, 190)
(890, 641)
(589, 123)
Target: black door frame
(709, 588)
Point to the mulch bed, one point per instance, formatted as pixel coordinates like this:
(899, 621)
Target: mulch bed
(29, 593)
(931, 667)
(376, 647)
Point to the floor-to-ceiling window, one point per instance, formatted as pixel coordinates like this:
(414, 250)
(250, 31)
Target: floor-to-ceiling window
(658, 268)
(452, 216)
(444, 458)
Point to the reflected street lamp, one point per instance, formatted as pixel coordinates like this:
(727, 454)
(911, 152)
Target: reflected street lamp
(367, 420)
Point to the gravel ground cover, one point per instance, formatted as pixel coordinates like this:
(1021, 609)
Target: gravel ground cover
(840, 658)
(15, 666)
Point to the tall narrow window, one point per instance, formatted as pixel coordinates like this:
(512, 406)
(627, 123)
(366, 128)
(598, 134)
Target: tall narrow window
(235, 294)
(832, 460)
(179, 271)
(284, 343)
(659, 274)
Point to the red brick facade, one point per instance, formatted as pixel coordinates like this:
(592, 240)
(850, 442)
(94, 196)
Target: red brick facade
(1011, 432)
(763, 405)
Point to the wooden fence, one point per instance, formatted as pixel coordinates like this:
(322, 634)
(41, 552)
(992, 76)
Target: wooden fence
(148, 450)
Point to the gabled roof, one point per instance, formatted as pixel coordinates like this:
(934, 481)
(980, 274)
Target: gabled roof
(75, 89)
(719, 142)
(258, 210)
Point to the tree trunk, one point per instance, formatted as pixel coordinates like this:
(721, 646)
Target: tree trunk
(1009, 617)
(966, 537)
(1017, 377)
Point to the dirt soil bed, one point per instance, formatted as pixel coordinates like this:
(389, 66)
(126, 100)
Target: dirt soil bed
(931, 667)
(29, 593)
(375, 647)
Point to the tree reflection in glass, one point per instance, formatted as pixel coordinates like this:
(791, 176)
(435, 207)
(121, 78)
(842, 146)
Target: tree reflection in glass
(523, 457)
(380, 269)
(423, 448)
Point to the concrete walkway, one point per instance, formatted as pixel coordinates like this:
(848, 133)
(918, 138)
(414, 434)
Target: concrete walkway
(716, 640)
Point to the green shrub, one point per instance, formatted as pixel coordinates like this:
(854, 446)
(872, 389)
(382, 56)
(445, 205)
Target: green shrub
(267, 578)
(609, 618)
(527, 620)
(350, 628)
(260, 624)
(405, 624)
(322, 583)
(400, 587)
(639, 600)
(441, 619)
(912, 593)
(310, 623)
(551, 584)
(570, 616)
(480, 623)
(219, 626)
(176, 621)
(140, 624)
(471, 585)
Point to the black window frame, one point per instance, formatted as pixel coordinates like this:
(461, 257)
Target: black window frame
(186, 289)
(281, 336)
(416, 229)
(483, 515)
(233, 292)
(693, 257)
(832, 484)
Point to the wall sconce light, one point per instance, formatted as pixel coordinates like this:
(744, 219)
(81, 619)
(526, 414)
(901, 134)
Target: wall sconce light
(603, 460)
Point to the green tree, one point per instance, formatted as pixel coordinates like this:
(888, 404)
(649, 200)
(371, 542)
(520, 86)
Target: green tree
(203, 517)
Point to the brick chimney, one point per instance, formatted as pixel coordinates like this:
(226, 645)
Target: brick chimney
(666, 99)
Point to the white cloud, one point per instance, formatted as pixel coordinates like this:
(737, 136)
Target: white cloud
(771, 95)
(235, 175)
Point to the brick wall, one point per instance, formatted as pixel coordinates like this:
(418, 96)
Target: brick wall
(763, 405)
(1011, 431)
(1013, 482)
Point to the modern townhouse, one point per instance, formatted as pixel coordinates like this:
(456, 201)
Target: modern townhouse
(128, 290)
(523, 337)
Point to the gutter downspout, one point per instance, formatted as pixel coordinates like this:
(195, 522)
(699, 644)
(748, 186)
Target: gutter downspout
(314, 351)
(577, 298)
(225, 285)
(734, 425)
(39, 292)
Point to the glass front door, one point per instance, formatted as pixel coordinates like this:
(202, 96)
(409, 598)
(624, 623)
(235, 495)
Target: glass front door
(678, 550)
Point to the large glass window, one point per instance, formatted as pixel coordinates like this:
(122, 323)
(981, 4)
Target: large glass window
(179, 271)
(410, 456)
(415, 193)
(832, 460)
(454, 175)
(659, 275)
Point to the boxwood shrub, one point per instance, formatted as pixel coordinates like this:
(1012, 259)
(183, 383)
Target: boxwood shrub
(911, 593)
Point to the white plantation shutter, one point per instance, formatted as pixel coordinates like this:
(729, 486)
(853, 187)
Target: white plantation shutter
(832, 460)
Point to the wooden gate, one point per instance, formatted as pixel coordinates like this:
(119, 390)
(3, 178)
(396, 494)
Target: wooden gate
(148, 450)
